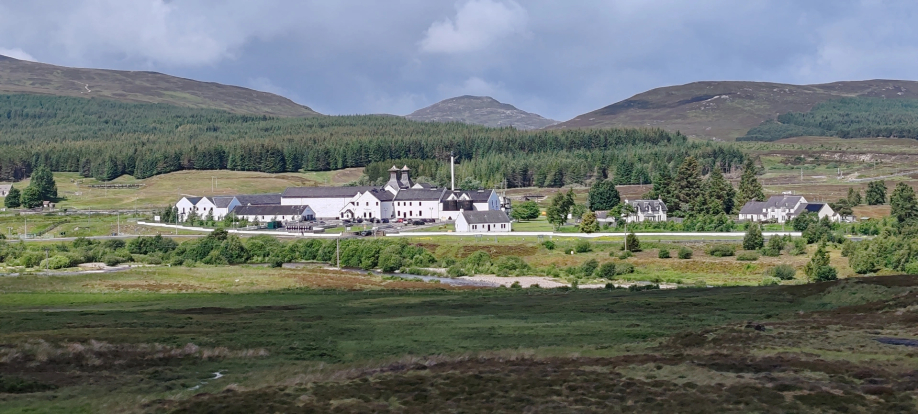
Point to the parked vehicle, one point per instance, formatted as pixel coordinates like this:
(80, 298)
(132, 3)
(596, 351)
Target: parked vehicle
(418, 222)
(385, 220)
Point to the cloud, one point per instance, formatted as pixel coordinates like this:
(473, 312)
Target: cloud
(477, 25)
(472, 86)
(17, 53)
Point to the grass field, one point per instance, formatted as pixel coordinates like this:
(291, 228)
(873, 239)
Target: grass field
(198, 340)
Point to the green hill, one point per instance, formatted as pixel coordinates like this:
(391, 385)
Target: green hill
(18, 76)
(727, 110)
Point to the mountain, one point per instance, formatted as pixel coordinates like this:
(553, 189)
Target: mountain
(726, 110)
(480, 110)
(19, 76)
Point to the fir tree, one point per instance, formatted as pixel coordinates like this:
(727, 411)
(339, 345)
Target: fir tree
(854, 197)
(12, 199)
(43, 181)
(603, 196)
(818, 268)
(719, 193)
(662, 187)
(589, 224)
(30, 197)
(876, 193)
(688, 188)
(753, 239)
(749, 188)
(904, 205)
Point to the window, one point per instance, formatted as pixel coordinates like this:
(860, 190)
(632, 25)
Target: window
(410, 203)
(474, 227)
(377, 203)
(367, 204)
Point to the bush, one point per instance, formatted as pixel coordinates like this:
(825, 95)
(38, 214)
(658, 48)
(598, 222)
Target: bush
(825, 274)
(549, 245)
(113, 244)
(516, 285)
(583, 246)
(56, 262)
(455, 271)
(753, 239)
(511, 264)
(624, 268)
(685, 253)
(588, 267)
(769, 281)
(625, 254)
(639, 288)
(663, 254)
(747, 257)
(632, 244)
(722, 250)
(606, 270)
(783, 272)
(799, 247)
(112, 259)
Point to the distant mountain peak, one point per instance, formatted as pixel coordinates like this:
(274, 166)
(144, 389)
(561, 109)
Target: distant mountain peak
(480, 110)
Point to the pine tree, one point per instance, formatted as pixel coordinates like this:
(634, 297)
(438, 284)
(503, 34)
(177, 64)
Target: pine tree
(719, 193)
(43, 181)
(904, 205)
(603, 196)
(688, 187)
(818, 268)
(30, 197)
(662, 187)
(589, 224)
(753, 239)
(749, 188)
(876, 193)
(12, 199)
(854, 197)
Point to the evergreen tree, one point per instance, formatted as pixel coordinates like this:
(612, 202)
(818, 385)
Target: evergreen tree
(818, 268)
(842, 207)
(555, 216)
(688, 187)
(632, 244)
(12, 199)
(904, 205)
(43, 181)
(854, 197)
(603, 196)
(30, 197)
(662, 188)
(753, 239)
(192, 218)
(749, 188)
(876, 193)
(720, 194)
(589, 224)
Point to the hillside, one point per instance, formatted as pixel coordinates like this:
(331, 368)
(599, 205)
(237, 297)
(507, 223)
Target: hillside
(18, 76)
(480, 110)
(727, 110)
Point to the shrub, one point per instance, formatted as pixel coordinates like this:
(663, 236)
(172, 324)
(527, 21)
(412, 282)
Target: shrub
(113, 244)
(911, 268)
(56, 262)
(588, 267)
(548, 245)
(583, 246)
(747, 256)
(769, 281)
(455, 271)
(632, 244)
(606, 270)
(753, 239)
(624, 268)
(848, 248)
(825, 274)
(112, 259)
(516, 285)
(639, 288)
(390, 258)
(799, 247)
(783, 272)
(663, 254)
(625, 254)
(722, 250)
(685, 253)
(511, 264)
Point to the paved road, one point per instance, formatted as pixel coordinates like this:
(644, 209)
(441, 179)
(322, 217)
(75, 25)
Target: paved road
(594, 235)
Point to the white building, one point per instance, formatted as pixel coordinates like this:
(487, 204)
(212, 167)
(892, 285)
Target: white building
(782, 208)
(326, 202)
(373, 204)
(5, 189)
(646, 210)
(266, 213)
(489, 221)
(418, 203)
(454, 202)
(201, 206)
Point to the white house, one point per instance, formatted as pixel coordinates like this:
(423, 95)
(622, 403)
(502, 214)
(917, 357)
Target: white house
(265, 213)
(646, 210)
(5, 189)
(782, 208)
(372, 204)
(199, 205)
(488, 221)
(454, 202)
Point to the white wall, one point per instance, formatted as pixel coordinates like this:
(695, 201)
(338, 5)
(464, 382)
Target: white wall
(184, 207)
(425, 209)
(463, 227)
(368, 206)
(323, 207)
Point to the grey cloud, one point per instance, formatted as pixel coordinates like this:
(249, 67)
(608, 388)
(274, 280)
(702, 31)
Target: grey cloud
(558, 59)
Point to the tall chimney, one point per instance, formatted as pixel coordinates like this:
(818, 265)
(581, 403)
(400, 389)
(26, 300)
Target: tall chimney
(452, 172)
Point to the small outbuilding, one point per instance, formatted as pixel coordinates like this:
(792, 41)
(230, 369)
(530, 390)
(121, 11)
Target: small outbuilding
(487, 221)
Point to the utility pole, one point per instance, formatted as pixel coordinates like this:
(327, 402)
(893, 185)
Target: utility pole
(338, 251)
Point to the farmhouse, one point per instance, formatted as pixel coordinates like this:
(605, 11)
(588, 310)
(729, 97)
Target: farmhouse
(646, 210)
(782, 208)
(266, 213)
(491, 221)
(200, 206)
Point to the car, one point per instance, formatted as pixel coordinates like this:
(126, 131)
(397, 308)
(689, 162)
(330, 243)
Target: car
(359, 220)
(400, 220)
(385, 220)
(418, 222)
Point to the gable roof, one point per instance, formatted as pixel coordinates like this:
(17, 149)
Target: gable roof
(380, 194)
(419, 194)
(477, 196)
(5, 187)
(783, 201)
(324, 192)
(485, 216)
(193, 200)
(270, 210)
(753, 207)
(648, 206)
(259, 199)
(813, 207)
(223, 201)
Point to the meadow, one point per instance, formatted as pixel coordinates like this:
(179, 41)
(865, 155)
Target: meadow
(314, 340)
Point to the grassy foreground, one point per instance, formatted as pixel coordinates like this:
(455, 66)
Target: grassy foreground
(261, 343)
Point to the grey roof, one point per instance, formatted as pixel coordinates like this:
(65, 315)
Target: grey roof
(485, 216)
(782, 201)
(477, 196)
(259, 199)
(382, 195)
(194, 200)
(419, 194)
(324, 192)
(648, 206)
(269, 210)
(5, 187)
(424, 185)
(222, 201)
(813, 207)
(753, 207)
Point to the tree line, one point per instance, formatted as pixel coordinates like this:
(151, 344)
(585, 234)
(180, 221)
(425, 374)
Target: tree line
(859, 117)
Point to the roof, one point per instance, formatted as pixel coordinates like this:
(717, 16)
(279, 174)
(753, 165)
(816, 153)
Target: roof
(223, 201)
(648, 206)
(194, 200)
(485, 216)
(5, 187)
(477, 196)
(783, 201)
(269, 210)
(381, 195)
(424, 185)
(259, 199)
(753, 207)
(419, 194)
(324, 192)
(813, 207)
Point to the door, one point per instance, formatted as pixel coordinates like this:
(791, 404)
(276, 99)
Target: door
(489, 227)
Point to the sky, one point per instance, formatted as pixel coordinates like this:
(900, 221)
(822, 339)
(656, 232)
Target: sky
(555, 58)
